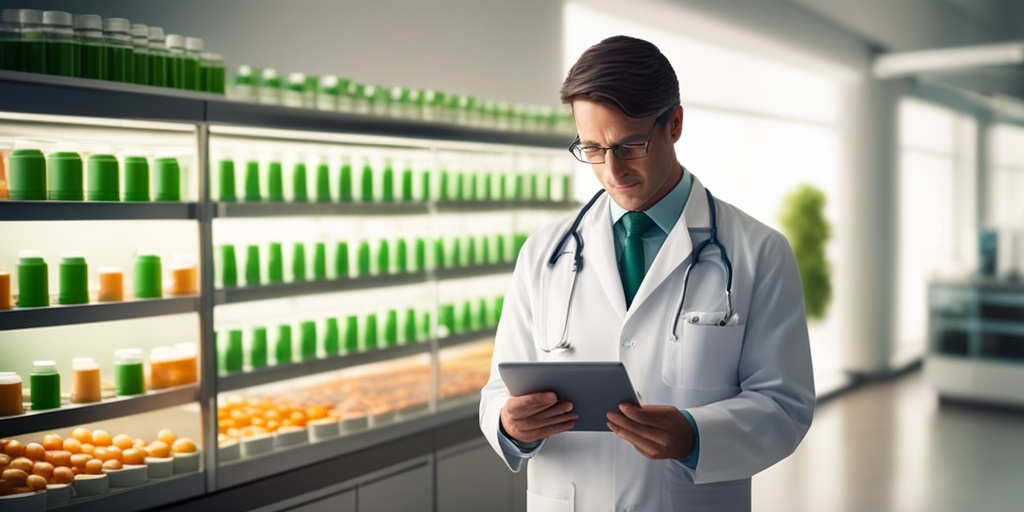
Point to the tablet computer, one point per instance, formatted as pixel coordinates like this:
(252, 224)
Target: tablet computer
(594, 388)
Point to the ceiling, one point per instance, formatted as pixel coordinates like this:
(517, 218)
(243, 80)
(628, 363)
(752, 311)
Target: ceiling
(908, 25)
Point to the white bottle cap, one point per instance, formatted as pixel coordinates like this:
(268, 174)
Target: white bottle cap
(193, 44)
(155, 33)
(84, 363)
(58, 18)
(116, 25)
(29, 16)
(10, 378)
(29, 253)
(140, 30)
(175, 41)
(44, 365)
(159, 354)
(128, 354)
(296, 78)
(88, 22)
(108, 270)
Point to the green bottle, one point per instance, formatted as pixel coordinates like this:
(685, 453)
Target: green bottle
(275, 183)
(439, 256)
(300, 192)
(44, 385)
(320, 261)
(407, 184)
(307, 340)
(420, 257)
(363, 259)
(258, 349)
(176, 61)
(401, 256)
(33, 41)
(298, 262)
(366, 183)
(140, 53)
(275, 263)
(331, 337)
(391, 329)
(63, 52)
(388, 179)
(12, 50)
(370, 338)
(93, 57)
(345, 182)
(157, 57)
(252, 182)
(351, 334)
(117, 32)
(283, 347)
(383, 258)
(323, 184)
(230, 354)
(227, 181)
(341, 266)
(409, 331)
(191, 64)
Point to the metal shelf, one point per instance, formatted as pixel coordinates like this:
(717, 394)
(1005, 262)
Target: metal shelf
(267, 209)
(223, 111)
(236, 295)
(68, 96)
(154, 493)
(473, 206)
(255, 468)
(232, 382)
(27, 318)
(77, 414)
(79, 210)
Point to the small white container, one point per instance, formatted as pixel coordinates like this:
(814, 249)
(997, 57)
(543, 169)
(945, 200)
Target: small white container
(228, 451)
(160, 467)
(291, 437)
(130, 475)
(58, 494)
(186, 462)
(355, 423)
(91, 485)
(257, 445)
(323, 429)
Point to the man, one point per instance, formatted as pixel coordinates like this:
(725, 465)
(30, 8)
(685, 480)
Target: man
(725, 378)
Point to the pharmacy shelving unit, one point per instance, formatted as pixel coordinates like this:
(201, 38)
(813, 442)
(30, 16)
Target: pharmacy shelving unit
(976, 341)
(408, 440)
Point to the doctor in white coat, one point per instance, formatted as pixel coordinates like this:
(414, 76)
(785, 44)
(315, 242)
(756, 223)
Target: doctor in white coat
(725, 378)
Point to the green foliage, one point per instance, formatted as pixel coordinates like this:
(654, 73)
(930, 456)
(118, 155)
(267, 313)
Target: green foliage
(803, 222)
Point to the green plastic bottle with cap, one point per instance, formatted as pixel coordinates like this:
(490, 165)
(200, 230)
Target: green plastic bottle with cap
(332, 338)
(93, 57)
(103, 178)
(351, 334)
(12, 51)
(211, 72)
(283, 346)
(341, 264)
(176, 61)
(191, 64)
(157, 57)
(300, 182)
(388, 183)
(345, 181)
(323, 183)
(117, 32)
(307, 340)
(275, 183)
(140, 53)
(62, 47)
(33, 41)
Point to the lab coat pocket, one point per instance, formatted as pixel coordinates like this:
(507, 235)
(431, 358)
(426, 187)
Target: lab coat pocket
(704, 357)
(536, 502)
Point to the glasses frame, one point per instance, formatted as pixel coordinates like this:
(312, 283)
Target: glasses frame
(577, 150)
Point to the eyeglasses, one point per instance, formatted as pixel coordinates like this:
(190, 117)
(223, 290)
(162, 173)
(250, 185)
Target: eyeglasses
(596, 154)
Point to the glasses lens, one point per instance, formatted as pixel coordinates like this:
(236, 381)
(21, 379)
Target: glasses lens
(631, 151)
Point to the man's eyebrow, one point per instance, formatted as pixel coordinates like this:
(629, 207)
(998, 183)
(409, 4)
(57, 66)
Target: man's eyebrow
(632, 138)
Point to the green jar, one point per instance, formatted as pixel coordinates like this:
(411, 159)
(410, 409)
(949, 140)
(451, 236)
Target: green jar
(27, 175)
(192, 64)
(409, 332)
(341, 265)
(370, 337)
(147, 276)
(33, 41)
(351, 334)
(363, 259)
(44, 385)
(63, 51)
(157, 57)
(129, 374)
(300, 192)
(252, 265)
(228, 266)
(401, 256)
(275, 183)
(230, 356)
(226, 180)
(252, 182)
(283, 347)
(332, 338)
(136, 178)
(33, 280)
(323, 184)
(345, 182)
(366, 183)
(74, 279)
(383, 258)
(117, 33)
(275, 263)
(103, 178)
(12, 51)
(320, 261)
(93, 46)
(388, 183)
(407, 195)
(420, 256)
(64, 176)
(258, 348)
(298, 262)
(391, 329)
(140, 53)
(211, 72)
(307, 340)
(166, 179)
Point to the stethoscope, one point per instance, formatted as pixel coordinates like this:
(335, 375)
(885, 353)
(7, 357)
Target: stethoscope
(577, 267)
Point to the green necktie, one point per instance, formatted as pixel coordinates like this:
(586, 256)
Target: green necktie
(631, 266)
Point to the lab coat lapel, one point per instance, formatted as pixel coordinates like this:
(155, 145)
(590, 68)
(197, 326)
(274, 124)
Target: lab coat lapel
(599, 255)
(678, 245)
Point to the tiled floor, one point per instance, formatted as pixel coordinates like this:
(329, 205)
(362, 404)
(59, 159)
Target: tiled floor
(892, 446)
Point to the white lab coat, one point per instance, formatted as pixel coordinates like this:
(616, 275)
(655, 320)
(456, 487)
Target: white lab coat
(749, 387)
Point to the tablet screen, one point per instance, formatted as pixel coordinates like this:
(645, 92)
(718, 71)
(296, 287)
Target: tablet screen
(594, 388)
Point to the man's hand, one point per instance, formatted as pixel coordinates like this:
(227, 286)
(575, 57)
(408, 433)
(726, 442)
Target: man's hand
(533, 417)
(656, 431)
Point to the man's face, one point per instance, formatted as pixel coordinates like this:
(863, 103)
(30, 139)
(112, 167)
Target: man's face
(635, 185)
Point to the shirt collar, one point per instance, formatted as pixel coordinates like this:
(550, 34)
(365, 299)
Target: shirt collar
(665, 212)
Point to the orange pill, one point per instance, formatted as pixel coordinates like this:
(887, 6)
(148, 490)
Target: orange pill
(166, 436)
(88, 448)
(94, 467)
(112, 464)
(63, 475)
(78, 460)
(53, 442)
(102, 438)
(133, 456)
(83, 435)
(158, 449)
(123, 441)
(23, 463)
(184, 445)
(73, 445)
(35, 451)
(36, 482)
(14, 448)
(100, 453)
(59, 457)
(43, 469)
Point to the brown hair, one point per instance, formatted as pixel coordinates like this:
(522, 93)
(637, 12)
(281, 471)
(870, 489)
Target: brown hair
(628, 73)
